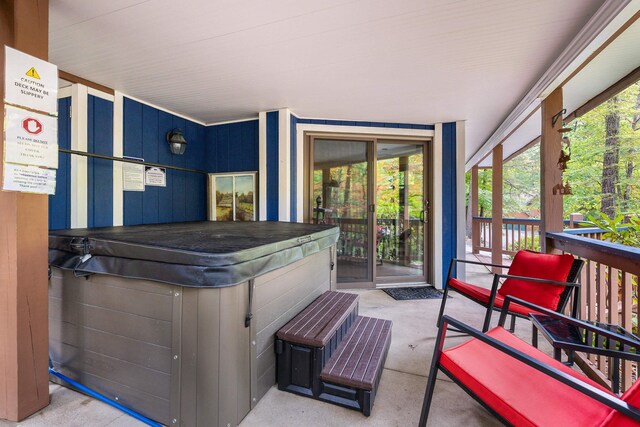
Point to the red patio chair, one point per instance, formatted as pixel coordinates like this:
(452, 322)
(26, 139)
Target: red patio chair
(547, 280)
(523, 386)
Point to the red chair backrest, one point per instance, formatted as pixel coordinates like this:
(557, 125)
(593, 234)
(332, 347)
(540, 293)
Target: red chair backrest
(538, 266)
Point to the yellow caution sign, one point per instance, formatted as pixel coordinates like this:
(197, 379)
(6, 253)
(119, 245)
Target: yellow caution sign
(33, 73)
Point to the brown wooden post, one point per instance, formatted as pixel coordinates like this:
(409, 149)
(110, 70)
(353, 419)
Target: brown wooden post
(496, 208)
(24, 378)
(550, 174)
(473, 204)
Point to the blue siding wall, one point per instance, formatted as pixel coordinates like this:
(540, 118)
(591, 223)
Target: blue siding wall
(449, 208)
(272, 166)
(232, 147)
(184, 197)
(99, 171)
(60, 203)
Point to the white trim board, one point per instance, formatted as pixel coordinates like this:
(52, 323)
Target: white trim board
(436, 209)
(118, 151)
(262, 166)
(100, 94)
(461, 219)
(191, 119)
(301, 128)
(227, 122)
(284, 165)
(78, 173)
(65, 92)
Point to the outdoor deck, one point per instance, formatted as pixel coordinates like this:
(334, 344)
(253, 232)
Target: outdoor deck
(401, 389)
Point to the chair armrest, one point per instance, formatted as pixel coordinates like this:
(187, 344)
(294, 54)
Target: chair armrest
(569, 320)
(537, 280)
(587, 389)
(456, 260)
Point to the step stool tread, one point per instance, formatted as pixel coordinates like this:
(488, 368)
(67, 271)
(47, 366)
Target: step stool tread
(359, 357)
(315, 325)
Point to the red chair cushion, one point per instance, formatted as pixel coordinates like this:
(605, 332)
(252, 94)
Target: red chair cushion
(482, 295)
(519, 393)
(615, 418)
(539, 266)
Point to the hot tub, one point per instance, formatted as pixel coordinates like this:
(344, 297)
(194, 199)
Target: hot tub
(177, 321)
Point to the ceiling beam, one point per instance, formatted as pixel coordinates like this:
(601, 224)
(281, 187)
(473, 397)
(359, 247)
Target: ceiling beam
(76, 79)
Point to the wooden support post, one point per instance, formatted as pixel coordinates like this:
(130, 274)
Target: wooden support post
(550, 175)
(473, 205)
(496, 208)
(24, 338)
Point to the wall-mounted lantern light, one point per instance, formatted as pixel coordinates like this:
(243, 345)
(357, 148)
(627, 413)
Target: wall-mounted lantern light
(177, 143)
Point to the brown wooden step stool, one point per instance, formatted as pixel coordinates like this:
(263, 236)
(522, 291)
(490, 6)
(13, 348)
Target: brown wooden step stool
(310, 341)
(305, 343)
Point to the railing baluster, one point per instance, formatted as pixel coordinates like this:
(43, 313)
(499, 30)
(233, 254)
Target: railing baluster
(626, 286)
(601, 290)
(584, 283)
(591, 297)
(612, 307)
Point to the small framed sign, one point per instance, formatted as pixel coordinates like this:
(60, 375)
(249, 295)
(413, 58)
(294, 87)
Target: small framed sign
(155, 176)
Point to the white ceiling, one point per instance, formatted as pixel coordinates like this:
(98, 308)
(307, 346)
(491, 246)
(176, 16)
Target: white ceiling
(417, 61)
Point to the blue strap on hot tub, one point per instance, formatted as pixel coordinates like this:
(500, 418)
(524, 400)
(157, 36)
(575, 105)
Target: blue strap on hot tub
(104, 399)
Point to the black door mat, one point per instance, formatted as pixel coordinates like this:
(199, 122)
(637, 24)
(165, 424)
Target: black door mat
(422, 292)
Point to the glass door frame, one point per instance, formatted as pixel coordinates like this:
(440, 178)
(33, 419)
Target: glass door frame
(426, 201)
(372, 159)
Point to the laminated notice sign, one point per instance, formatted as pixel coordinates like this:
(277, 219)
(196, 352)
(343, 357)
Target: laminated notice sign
(30, 138)
(29, 179)
(155, 177)
(30, 82)
(132, 177)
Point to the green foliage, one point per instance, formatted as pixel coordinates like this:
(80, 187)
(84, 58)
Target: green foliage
(584, 170)
(615, 230)
(532, 244)
(521, 185)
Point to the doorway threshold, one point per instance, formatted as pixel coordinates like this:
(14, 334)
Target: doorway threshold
(402, 285)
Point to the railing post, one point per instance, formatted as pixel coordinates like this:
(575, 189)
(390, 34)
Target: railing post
(473, 203)
(574, 218)
(496, 208)
(550, 174)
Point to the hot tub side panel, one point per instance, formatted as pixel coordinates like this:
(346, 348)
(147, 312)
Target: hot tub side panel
(215, 376)
(278, 297)
(115, 336)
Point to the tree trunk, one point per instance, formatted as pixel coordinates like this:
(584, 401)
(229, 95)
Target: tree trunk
(610, 176)
(630, 165)
(347, 193)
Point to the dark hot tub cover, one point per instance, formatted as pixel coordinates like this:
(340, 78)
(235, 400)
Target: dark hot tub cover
(194, 254)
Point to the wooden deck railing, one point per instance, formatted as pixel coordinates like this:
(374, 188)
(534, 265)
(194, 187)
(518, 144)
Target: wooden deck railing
(517, 234)
(609, 294)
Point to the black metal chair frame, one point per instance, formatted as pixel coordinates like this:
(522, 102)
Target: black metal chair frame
(448, 323)
(571, 286)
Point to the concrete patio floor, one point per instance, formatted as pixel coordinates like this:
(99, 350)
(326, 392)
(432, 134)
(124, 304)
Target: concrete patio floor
(400, 394)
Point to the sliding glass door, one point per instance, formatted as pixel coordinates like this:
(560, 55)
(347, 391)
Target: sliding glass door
(341, 196)
(375, 191)
(401, 211)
